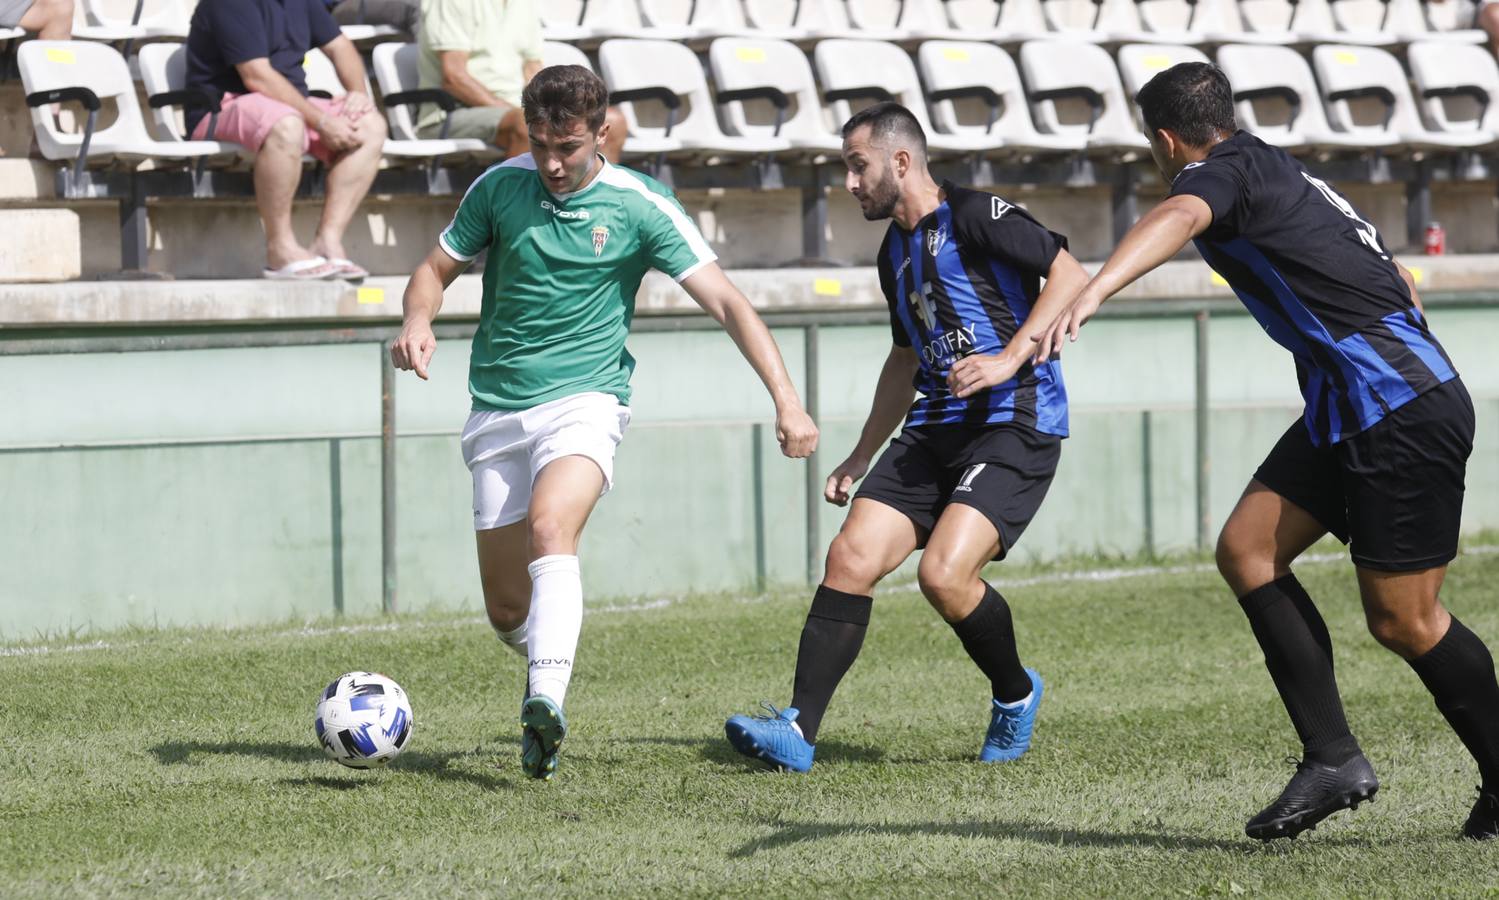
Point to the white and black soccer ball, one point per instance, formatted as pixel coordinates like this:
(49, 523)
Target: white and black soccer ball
(363, 720)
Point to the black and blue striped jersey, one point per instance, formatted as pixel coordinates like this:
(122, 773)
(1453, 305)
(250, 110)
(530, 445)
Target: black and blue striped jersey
(1318, 278)
(962, 282)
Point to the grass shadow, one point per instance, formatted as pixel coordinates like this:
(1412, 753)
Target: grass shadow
(789, 834)
(433, 765)
(336, 784)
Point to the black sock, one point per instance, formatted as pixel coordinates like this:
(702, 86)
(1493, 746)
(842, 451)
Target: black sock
(988, 634)
(830, 641)
(1298, 653)
(1459, 672)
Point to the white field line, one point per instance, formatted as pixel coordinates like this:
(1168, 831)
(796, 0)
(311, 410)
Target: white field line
(1093, 576)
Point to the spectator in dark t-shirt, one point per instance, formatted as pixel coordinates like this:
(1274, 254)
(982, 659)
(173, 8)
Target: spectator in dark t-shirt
(248, 54)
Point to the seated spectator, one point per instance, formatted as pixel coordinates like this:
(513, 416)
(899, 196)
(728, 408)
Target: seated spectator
(402, 15)
(50, 20)
(484, 52)
(249, 54)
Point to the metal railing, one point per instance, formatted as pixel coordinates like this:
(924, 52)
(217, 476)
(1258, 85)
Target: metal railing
(134, 339)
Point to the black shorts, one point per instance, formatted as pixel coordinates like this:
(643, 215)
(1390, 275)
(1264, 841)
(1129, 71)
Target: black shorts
(1001, 470)
(1395, 491)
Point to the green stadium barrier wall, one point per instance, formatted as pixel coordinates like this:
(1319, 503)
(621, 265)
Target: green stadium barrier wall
(221, 487)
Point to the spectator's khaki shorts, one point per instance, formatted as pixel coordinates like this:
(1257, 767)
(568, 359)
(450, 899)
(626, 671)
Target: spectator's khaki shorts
(477, 122)
(11, 11)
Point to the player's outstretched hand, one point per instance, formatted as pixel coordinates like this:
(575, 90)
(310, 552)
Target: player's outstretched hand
(972, 374)
(841, 482)
(796, 431)
(413, 348)
(1049, 342)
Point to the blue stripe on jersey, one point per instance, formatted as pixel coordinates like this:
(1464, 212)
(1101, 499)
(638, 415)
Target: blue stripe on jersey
(897, 259)
(1420, 345)
(1348, 371)
(1000, 399)
(1051, 399)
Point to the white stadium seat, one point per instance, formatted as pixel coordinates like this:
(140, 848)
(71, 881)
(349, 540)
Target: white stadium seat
(901, 21)
(975, 91)
(163, 69)
(1452, 20)
(781, 73)
(999, 21)
(1457, 88)
(670, 75)
(159, 19)
(799, 20)
(1101, 22)
(1310, 21)
(556, 53)
(1277, 99)
(1074, 89)
(873, 70)
(395, 69)
(91, 73)
(1139, 63)
(588, 22)
(1188, 21)
(1367, 93)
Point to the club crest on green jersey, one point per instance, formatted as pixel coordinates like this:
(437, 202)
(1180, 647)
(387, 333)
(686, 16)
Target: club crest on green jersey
(600, 238)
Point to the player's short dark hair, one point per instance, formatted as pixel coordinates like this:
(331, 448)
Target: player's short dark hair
(1193, 99)
(889, 123)
(560, 95)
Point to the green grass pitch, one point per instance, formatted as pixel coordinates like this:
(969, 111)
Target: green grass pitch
(182, 763)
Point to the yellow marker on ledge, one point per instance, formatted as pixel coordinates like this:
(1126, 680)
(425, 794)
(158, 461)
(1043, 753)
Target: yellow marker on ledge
(371, 296)
(827, 287)
(1418, 274)
(1217, 279)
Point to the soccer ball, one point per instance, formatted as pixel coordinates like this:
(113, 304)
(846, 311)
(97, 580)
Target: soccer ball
(363, 720)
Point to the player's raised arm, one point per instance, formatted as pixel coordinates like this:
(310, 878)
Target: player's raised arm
(1157, 237)
(1064, 280)
(892, 400)
(413, 347)
(718, 296)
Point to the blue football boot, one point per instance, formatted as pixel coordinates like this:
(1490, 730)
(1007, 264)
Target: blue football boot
(543, 726)
(1010, 729)
(772, 739)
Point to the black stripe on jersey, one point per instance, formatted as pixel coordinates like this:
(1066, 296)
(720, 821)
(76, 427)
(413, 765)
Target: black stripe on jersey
(989, 295)
(1394, 351)
(1237, 273)
(1420, 324)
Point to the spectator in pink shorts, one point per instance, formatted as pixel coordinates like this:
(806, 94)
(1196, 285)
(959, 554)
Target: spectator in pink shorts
(248, 55)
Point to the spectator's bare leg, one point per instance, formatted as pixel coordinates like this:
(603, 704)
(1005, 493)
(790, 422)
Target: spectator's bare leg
(1488, 19)
(278, 169)
(51, 20)
(349, 180)
(614, 144)
(512, 136)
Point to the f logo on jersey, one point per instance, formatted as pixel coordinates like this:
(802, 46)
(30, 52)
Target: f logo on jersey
(921, 301)
(600, 238)
(935, 238)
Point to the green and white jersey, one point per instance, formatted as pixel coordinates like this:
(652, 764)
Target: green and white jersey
(561, 277)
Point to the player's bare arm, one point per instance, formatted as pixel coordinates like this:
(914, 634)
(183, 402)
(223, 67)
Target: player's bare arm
(892, 399)
(718, 296)
(972, 374)
(1157, 237)
(1410, 283)
(413, 347)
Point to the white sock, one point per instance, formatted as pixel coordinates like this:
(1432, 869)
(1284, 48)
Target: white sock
(1018, 704)
(515, 640)
(555, 620)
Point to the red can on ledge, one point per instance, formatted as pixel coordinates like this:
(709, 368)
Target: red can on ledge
(1436, 239)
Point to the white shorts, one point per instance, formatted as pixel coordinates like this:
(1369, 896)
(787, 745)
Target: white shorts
(506, 449)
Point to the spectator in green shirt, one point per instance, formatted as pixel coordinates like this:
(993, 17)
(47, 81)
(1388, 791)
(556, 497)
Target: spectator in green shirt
(484, 52)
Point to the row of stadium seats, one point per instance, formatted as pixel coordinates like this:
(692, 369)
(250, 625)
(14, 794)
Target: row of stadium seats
(1192, 22)
(1063, 98)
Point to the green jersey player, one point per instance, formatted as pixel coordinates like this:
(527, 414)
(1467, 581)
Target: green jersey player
(569, 236)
